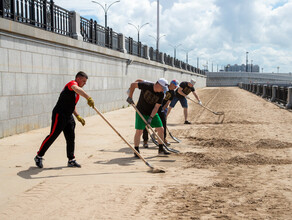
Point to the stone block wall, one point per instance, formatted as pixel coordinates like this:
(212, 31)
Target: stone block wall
(35, 65)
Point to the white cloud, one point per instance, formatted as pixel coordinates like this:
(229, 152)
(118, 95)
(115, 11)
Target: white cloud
(215, 30)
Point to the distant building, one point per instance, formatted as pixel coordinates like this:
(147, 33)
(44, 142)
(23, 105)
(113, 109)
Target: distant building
(242, 68)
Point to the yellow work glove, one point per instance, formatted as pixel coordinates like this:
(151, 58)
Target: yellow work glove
(79, 118)
(90, 102)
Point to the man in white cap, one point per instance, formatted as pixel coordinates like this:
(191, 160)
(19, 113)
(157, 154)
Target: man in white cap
(184, 89)
(150, 100)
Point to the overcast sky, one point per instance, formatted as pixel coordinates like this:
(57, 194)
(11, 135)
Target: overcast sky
(216, 31)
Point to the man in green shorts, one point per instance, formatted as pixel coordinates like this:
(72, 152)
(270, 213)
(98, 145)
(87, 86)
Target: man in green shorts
(150, 100)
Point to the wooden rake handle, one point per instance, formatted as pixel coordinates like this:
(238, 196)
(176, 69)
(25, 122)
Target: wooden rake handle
(134, 150)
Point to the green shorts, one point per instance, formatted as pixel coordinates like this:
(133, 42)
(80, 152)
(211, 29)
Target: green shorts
(140, 124)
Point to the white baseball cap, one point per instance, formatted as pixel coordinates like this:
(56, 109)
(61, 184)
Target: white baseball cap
(163, 82)
(193, 82)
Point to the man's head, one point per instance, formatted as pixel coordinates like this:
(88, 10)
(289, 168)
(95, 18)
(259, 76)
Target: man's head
(161, 85)
(192, 83)
(81, 78)
(173, 84)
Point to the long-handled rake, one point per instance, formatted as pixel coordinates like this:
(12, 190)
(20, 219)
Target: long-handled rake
(153, 132)
(174, 138)
(153, 170)
(216, 113)
(155, 141)
(210, 110)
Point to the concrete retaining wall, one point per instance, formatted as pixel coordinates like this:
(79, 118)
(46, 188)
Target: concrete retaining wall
(35, 65)
(233, 78)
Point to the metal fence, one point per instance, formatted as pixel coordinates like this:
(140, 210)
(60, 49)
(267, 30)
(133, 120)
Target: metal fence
(44, 14)
(39, 13)
(97, 34)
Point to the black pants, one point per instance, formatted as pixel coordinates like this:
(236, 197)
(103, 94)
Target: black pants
(60, 123)
(162, 116)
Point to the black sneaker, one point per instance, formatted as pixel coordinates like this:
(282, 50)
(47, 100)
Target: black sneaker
(73, 163)
(38, 161)
(137, 149)
(166, 143)
(187, 123)
(162, 151)
(145, 145)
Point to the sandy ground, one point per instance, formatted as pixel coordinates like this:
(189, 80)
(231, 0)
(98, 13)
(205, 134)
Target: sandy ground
(238, 169)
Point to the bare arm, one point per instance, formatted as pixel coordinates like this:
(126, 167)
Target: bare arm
(80, 91)
(155, 109)
(133, 86)
(166, 105)
(195, 94)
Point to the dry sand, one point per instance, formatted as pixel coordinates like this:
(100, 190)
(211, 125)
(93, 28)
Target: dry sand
(240, 169)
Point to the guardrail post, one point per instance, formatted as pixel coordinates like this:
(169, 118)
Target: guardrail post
(44, 13)
(264, 91)
(253, 88)
(76, 26)
(130, 45)
(91, 27)
(172, 61)
(52, 15)
(258, 89)
(289, 99)
(12, 10)
(274, 93)
(146, 52)
(161, 58)
(2, 8)
(107, 43)
(111, 38)
(122, 45)
(139, 48)
(151, 53)
(32, 12)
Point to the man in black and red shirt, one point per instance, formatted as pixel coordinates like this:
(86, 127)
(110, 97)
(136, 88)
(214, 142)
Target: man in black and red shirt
(62, 119)
(182, 92)
(150, 100)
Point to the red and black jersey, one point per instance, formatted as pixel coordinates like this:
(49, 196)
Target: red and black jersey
(67, 99)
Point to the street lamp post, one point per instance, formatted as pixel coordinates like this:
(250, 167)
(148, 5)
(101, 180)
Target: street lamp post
(157, 40)
(138, 28)
(187, 55)
(105, 9)
(246, 62)
(251, 65)
(174, 47)
(157, 36)
(198, 62)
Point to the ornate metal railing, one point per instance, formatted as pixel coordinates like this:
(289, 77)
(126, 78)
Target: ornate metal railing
(44, 14)
(39, 13)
